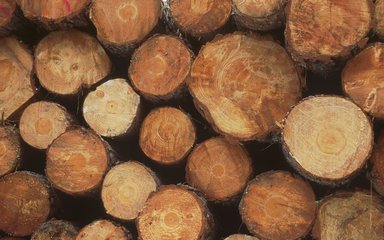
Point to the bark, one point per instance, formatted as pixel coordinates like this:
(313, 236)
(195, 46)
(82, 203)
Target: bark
(103, 230)
(55, 229)
(10, 150)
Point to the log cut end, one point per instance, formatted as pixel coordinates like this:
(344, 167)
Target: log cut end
(379, 18)
(244, 86)
(42, 122)
(363, 79)
(65, 61)
(278, 205)
(111, 110)
(326, 30)
(122, 23)
(241, 237)
(103, 230)
(167, 135)
(173, 212)
(350, 215)
(10, 150)
(55, 229)
(126, 188)
(262, 15)
(327, 138)
(25, 203)
(377, 172)
(77, 161)
(199, 18)
(160, 67)
(7, 8)
(16, 85)
(219, 168)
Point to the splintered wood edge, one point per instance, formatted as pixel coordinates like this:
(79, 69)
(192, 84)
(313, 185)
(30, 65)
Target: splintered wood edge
(240, 237)
(167, 135)
(16, 68)
(269, 199)
(347, 215)
(42, 122)
(103, 229)
(7, 9)
(58, 228)
(65, 61)
(243, 124)
(10, 149)
(200, 18)
(379, 18)
(166, 219)
(77, 161)
(126, 188)
(213, 169)
(363, 79)
(128, 25)
(377, 160)
(25, 203)
(326, 180)
(112, 109)
(160, 67)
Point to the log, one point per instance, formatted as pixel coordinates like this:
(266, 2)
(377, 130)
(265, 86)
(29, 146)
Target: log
(160, 67)
(77, 161)
(232, 86)
(66, 61)
(240, 237)
(362, 80)
(350, 215)
(278, 205)
(319, 34)
(10, 150)
(55, 229)
(379, 19)
(259, 15)
(327, 139)
(175, 212)
(7, 11)
(167, 135)
(42, 122)
(199, 18)
(377, 160)
(219, 168)
(126, 188)
(112, 110)
(25, 203)
(16, 82)
(123, 24)
(103, 230)
(54, 15)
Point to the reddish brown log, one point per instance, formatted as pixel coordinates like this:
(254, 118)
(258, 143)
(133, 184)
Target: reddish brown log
(55, 229)
(103, 230)
(160, 67)
(10, 149)
(278, 205)
(7, 11)
(379, 18)
(25, 203)
(377, 171)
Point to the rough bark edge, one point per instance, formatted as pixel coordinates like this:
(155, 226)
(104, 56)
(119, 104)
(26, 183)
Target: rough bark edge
(290, 158)
(19, 153)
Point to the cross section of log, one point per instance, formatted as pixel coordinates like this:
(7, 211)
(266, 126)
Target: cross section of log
(240, 237)
(104, 230)
(377, 171)
(10, 149)
(55, 229)
(379, 18)
(7, 11)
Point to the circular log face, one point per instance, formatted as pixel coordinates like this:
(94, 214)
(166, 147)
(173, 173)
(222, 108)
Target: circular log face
(241, 237)
(327, 138)
(112, 108)
(16, 86)
(243, 85)
(103, 230)
(219, 169)
(319, 30)
(379, 18)
(42, 122)
(160, 66)
(200, 17)
(51, 9)
(350, 215)
(172, 213)
(124, 21)
(10, 150)
(68, 60)
(258, 8)
(377, 172)
(76, 161)
(7, 8)
(363, 79)
(126, 188)
(278, 205)
(25, 203)
(167, 135)
(55, 229)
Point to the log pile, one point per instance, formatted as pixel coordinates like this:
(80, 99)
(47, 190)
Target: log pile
(191, 119)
